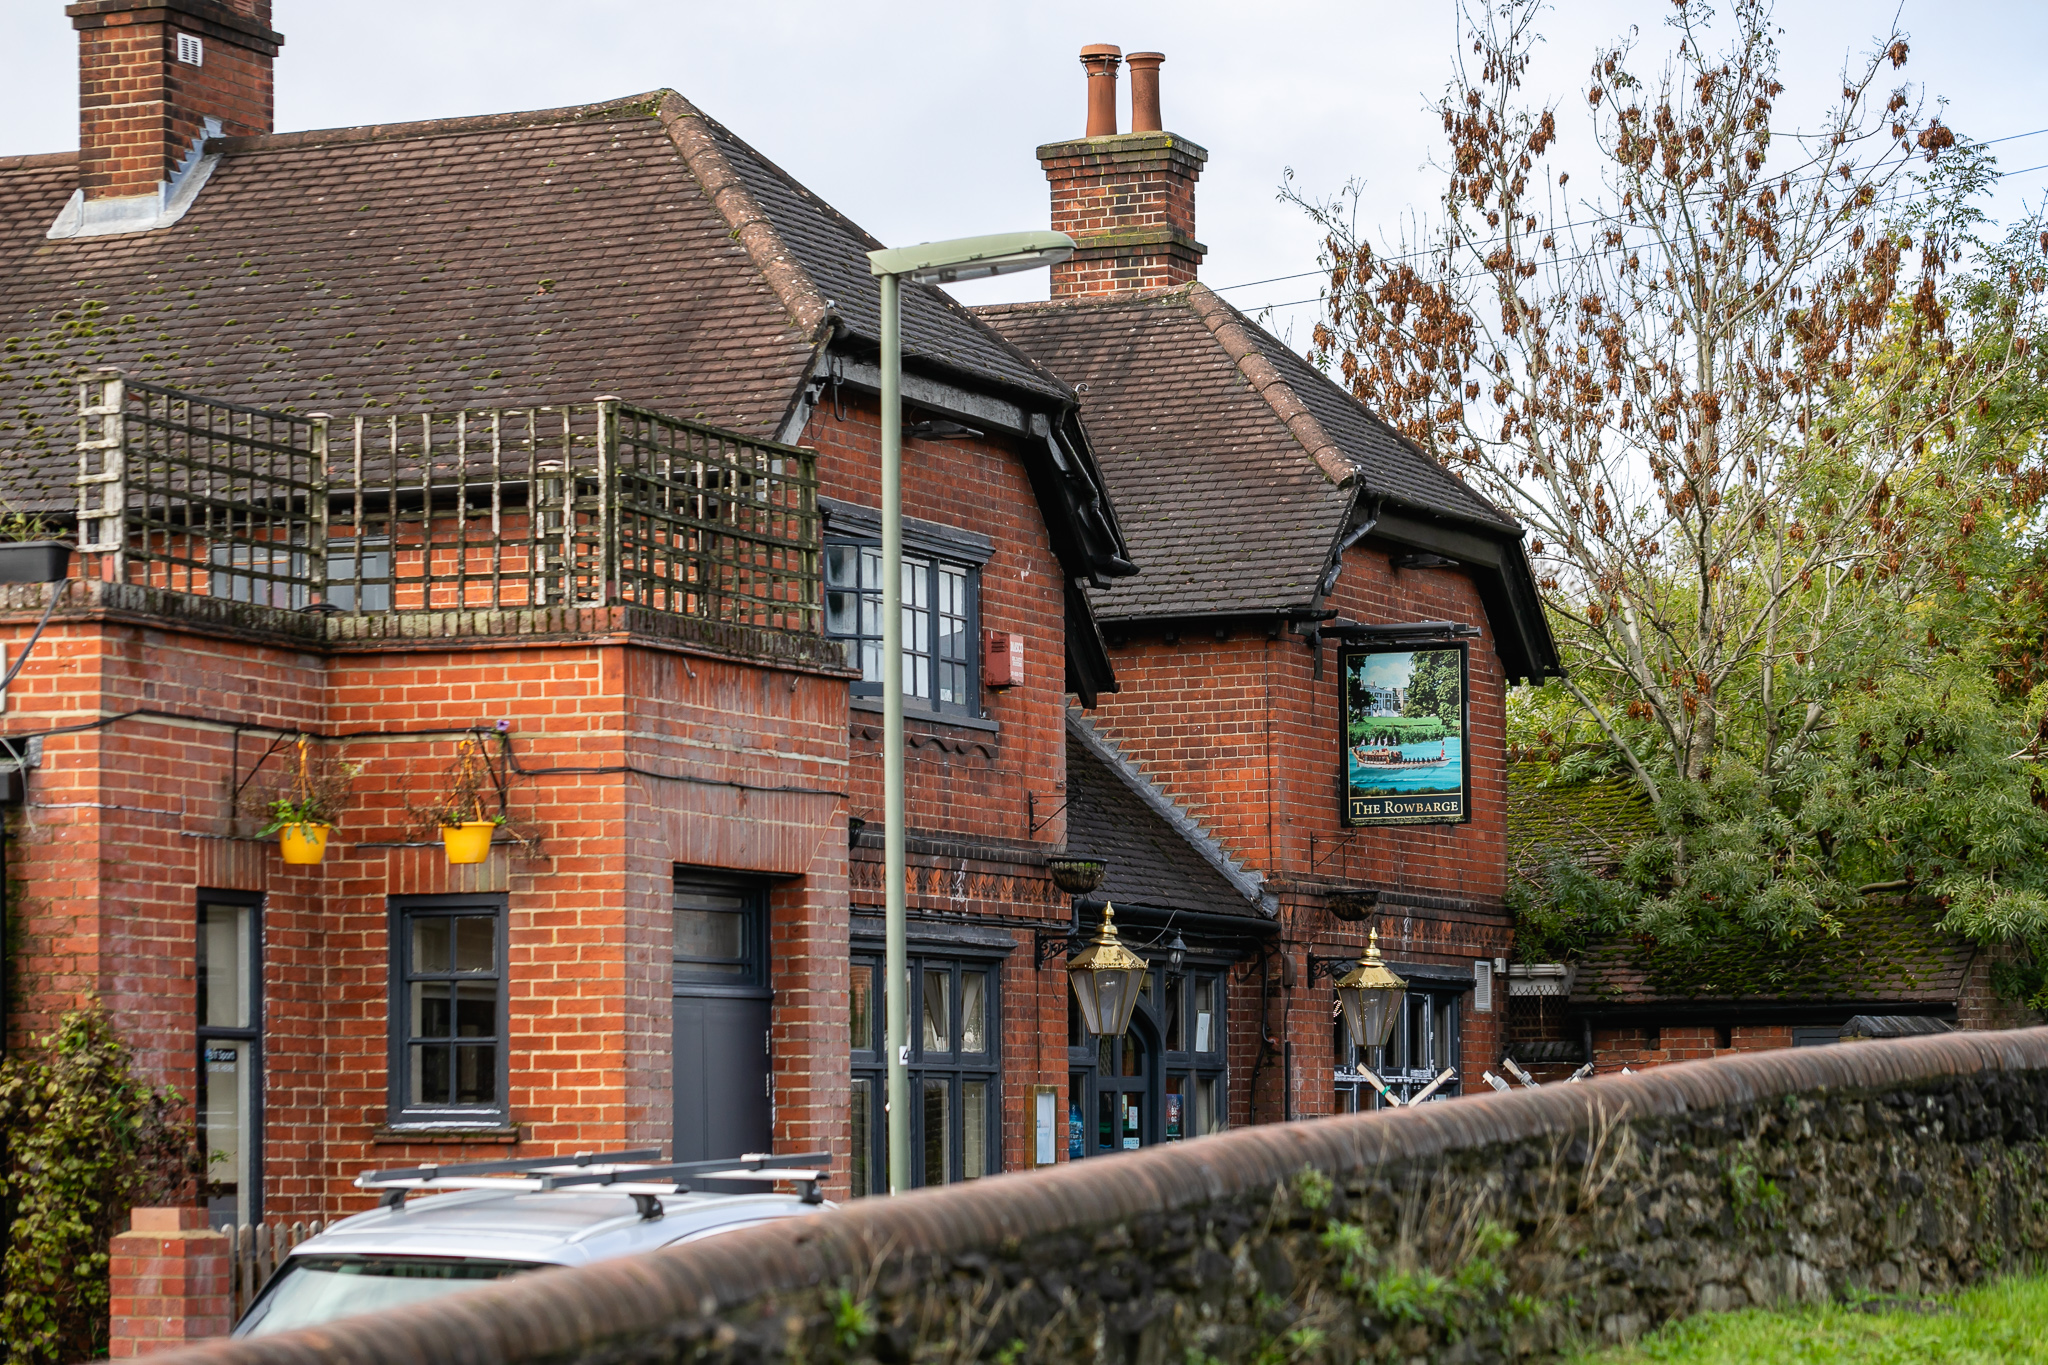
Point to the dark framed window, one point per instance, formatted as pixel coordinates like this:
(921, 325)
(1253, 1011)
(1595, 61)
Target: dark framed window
(941, 667)
(230, 1060)
(955, 1072)
(721, 931)
(448, 1011)
(1165, 1080)
(1424, 1042)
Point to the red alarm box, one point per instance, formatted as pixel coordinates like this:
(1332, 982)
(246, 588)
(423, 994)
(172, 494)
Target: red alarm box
(1002, 658)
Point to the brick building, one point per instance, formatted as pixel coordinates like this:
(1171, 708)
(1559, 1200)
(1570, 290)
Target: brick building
(1286, 537)
(548, 443)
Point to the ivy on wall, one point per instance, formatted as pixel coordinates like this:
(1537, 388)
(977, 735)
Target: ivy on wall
(85, 1140)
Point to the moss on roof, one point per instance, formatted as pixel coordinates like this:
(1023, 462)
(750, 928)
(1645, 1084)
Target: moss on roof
(1888, 951)
(1595, 822)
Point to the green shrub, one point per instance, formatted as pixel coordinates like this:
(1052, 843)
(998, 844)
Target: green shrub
(85, 1141)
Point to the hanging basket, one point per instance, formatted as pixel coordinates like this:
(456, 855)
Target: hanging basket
(303, 844)
(469, 842)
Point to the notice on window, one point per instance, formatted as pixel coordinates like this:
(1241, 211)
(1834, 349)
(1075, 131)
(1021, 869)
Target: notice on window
(1404, 724)
(1045, 1111)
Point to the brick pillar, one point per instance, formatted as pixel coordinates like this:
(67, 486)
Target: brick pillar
(168, 1277)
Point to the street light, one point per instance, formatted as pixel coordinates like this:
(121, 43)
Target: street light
(1371, 995)
(966, 258)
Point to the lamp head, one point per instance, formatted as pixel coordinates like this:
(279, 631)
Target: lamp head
(1106, 978)
(973, 258)
(1371, 995)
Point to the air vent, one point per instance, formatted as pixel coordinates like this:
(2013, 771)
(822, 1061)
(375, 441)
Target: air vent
(191, 51)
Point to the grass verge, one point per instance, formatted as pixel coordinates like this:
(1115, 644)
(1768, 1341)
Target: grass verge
(2006, 1321)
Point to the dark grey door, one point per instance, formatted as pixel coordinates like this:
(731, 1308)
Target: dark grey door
(724, 1097)
(722, 1077)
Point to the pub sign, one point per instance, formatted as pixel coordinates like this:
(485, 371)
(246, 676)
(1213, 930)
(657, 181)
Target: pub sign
(1404, 720)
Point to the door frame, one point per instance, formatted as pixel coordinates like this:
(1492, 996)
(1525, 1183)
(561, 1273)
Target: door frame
(251, 1202)
(753, 984)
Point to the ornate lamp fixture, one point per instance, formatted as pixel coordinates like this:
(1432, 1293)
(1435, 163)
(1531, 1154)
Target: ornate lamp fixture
(1371, 995)
(1105, 978)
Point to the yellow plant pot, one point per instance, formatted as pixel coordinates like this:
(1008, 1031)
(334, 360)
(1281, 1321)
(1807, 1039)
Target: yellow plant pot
(469, 842)
(303, 843)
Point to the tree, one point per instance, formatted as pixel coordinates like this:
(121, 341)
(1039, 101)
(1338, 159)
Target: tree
(1724, 392)
(1436, 688)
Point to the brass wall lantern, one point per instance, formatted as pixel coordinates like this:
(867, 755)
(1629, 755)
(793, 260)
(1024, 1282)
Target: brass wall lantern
(1106, 978)
(1371, 995)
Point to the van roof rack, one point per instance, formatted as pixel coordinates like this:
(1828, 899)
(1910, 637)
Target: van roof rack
(640, 1173)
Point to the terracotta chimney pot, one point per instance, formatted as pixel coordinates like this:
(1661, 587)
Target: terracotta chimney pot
(1145, 91)
(1102, 60)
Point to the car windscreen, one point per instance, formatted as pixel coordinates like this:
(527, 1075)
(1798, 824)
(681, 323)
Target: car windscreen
(314, 1289)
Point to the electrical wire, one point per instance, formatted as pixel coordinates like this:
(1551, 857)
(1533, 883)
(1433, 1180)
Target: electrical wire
(1255, 309)
(1577, 223)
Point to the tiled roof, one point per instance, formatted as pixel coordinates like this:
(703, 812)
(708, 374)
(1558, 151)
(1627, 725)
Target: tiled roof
(1593, 822)
(1151, 860)
(1222, 507)
(1387, 464)
(527, 258)
(833, 252)
(1234, 463)
(1889, 952)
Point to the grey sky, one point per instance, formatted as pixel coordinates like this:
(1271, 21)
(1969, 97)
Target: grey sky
(918, 118)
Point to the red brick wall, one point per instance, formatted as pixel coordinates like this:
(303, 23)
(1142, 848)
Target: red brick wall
(126, 822)
(1244, 735)
(1129, 202)
(638, 759)
(963, 783)
(168, 1282)
(139, 108)
(1637, 1048)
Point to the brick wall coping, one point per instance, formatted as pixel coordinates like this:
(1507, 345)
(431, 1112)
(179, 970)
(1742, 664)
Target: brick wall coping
(554, 1316)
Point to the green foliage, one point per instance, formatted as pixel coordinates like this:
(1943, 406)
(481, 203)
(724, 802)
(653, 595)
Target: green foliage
(1992, 1325)
(16, 527)
(1757, 1199)
(86, 1140)
(1927, 782)
(852, 1322)
(1436, 688)
(1312, 1189)
(1396, 730)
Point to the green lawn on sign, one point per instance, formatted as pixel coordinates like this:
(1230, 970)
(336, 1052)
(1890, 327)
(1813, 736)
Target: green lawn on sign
(1999, 1323)
(1397, 730)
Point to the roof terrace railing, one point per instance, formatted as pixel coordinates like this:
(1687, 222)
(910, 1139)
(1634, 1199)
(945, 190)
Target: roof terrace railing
(592, 504)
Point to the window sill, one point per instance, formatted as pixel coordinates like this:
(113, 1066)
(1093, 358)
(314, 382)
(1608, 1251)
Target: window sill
(953, 718)
(500, 1133)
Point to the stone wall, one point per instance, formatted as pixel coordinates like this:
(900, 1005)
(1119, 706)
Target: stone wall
(1500, 1225)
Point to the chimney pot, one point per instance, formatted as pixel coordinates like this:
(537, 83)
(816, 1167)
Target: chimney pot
(1145, 92)
(1102, 60)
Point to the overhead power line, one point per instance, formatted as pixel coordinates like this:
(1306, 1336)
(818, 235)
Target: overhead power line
(1573, 223)
(1256, 308)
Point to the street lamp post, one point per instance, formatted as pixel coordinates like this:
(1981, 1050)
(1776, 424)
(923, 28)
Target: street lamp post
(965, 258)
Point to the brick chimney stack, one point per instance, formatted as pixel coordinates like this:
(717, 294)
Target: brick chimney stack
(1127, 199)
(155, 79)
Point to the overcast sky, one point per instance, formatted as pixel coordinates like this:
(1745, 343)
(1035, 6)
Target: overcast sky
(918, 118)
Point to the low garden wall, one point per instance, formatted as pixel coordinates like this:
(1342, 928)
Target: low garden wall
(1504, 1225)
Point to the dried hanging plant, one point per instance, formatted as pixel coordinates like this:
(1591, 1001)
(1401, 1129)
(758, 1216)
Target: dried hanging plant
(473, 791)
(313, 791)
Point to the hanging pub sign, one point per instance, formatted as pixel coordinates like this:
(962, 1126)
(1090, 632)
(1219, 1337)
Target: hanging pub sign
(1403, 734)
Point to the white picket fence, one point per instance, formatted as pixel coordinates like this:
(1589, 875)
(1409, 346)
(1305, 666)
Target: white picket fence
(258, 1250)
